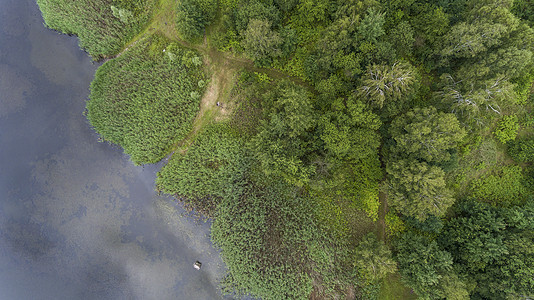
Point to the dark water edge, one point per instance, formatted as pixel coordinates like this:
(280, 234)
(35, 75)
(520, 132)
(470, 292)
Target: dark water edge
(77, 219)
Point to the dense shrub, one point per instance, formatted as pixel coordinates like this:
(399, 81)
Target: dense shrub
(505, 187)
(507, 129)
(522, 150)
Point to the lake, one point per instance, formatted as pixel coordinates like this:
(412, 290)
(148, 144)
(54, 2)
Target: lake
(77, 219)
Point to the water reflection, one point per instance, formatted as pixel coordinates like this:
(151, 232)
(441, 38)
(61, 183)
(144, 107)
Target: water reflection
(77, 219)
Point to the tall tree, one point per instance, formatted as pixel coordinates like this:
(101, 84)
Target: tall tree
(382, 84)
(487, 24)
(373, 259)
(417, 189)
(191, 19)
(486, 52)
(494, 248)
(261, 43)
(425, 133)
(475, 236)
(427, 269)
(349, 129)
(258, 10)
(470, 100)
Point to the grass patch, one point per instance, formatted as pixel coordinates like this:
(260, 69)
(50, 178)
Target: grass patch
(146, 99)
(393, 289)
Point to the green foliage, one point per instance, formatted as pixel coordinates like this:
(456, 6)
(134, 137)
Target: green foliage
(103, 26)
(475, 236)
(382, 84)
(349, 133)
(403, 38)
(354, 181)
(122, 14)
(373, 259)
(512, 276)
(524, 9)
(431, 22)
(417, 189)
(392, 288)
(255, 10)
(522, 88)
(431, 225)
(507, 129)
(372, 26)
(423, 133)
(261, 43)
(494, 248)
(485, 52)
(394, 225)
(344, 224)
(522, 150)
(286, 5)
(210, 169)
(143, 100)
(473, 101)
(313, 11)
(283, 139)
(505, 187)
(193, 16)
(488, 22)
(427, 269)
(349, 129)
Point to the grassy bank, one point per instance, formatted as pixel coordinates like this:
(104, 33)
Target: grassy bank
(103, 26)
(146, 99)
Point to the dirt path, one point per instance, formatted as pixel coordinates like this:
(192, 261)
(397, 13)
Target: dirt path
(381, 224)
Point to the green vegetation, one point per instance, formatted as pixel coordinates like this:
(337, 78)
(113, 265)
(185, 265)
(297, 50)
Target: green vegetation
(392, 289)
(104, 27)
(374, 259)
(506, 187)
(192, 17)
(417, 189)
(507, 129)
(284, 137)
(344, 149)
(208, 171)
(522, 150)
(264, 233)
(146, 99)
(427, 269)
(493, 248)
(425, 134)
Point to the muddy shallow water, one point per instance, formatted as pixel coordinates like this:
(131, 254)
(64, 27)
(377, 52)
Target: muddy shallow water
(77, 219)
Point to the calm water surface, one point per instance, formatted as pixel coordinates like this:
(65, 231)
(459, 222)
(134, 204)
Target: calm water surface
(77, 219)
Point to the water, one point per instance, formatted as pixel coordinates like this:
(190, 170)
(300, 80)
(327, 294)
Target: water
(77, 219)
